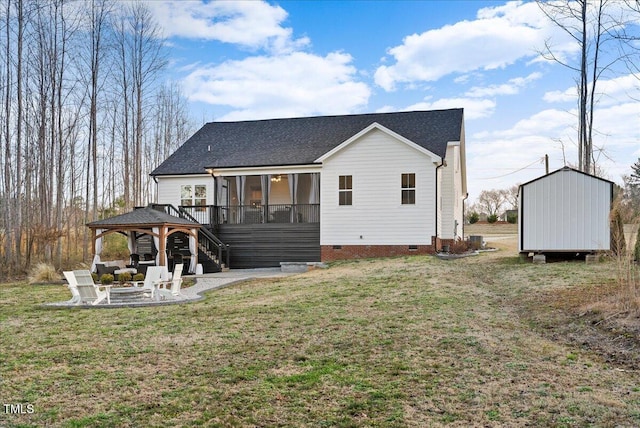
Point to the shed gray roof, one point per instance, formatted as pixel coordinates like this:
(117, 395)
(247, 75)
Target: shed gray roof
(142, 216)
(566, 169)
(300, 141)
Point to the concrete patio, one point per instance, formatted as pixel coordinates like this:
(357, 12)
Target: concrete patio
(204, 283)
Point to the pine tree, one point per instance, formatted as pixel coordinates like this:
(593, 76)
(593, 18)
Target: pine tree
(634, 178)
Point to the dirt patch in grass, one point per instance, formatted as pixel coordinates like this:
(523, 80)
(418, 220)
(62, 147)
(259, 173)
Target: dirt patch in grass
(574, 304)
(589, 316)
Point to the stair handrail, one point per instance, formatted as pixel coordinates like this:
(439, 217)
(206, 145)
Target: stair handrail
(182, 213)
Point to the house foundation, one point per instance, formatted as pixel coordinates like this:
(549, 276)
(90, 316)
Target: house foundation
(330, 253)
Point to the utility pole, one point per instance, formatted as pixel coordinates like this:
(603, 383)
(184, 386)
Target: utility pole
(546, 164)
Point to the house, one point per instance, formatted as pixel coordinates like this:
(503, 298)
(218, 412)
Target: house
(566, 211)
(322, 188)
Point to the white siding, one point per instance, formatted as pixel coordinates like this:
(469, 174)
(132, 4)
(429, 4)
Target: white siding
(377, 217)
(450, 195)
(565, 211)
(458, 202)
(169, 188)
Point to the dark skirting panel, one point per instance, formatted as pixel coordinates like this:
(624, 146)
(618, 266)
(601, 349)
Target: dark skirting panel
(268, 244)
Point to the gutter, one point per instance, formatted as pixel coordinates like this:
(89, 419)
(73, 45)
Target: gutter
(442, 163)
(156, 181)
(464, 209)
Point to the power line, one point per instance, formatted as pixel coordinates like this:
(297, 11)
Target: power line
(539, 160)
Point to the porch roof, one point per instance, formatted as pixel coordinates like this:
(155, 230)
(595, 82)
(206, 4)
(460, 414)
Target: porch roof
(300, 141)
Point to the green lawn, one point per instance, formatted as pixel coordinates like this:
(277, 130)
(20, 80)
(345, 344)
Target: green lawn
(396, 342)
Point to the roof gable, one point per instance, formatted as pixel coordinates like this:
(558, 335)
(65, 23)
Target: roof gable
(302, 141)
(387, 131)
(565, 169)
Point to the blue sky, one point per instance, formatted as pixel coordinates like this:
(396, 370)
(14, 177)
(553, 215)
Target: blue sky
(260, 60)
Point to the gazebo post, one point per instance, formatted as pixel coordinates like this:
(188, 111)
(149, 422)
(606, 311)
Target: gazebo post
(163, 246)
(197, 261)
(93, 244)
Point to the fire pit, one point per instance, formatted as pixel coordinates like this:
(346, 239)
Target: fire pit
(127, 294)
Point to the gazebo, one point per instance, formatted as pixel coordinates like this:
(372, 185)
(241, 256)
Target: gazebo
(146, 221)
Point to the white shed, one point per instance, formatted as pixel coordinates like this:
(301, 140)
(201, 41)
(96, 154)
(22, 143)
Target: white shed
(565, 211)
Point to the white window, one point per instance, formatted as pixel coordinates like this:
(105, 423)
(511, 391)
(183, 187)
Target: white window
(194, 195)
(345, 190)
(408, 189)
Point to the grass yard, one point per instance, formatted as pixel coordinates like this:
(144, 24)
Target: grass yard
(481, 341)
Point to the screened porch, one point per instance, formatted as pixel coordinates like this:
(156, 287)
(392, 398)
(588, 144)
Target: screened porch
(258, 199)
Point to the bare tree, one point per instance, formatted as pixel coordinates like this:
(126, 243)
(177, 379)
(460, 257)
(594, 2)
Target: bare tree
(491, 201)
(98, 13)
(141, 61)
(594, 26)
(61, 151)
(511, 196)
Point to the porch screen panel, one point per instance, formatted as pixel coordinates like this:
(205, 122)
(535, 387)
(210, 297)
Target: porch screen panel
(219, 186)
(265, 187)
(314, 198)
(314, 194)
(293, 189)
(241, 182)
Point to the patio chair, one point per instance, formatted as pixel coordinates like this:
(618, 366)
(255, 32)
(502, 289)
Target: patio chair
(101, 269)
(88, 290)
(151, 280)
(135, 259)
(142, 268)
(171, 288)
(73, 287)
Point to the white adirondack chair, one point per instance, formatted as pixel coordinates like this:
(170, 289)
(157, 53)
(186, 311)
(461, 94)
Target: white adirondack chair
(171, 289)
(151, 279)
(88, 290)
(73, 287)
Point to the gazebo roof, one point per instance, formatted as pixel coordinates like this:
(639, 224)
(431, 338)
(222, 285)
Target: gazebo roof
(142, 217)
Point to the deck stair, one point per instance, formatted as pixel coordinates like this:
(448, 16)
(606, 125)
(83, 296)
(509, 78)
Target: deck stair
(213, 254)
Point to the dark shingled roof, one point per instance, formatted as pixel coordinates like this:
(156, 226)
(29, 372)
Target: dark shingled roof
(142, 216)
(300, 141)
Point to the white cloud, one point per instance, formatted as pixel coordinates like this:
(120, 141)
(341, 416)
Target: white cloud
(551, 123)
(612, 91)
(494, 157)
(252, 24)
(512, 87)
(619, 88)
(295, 84)
(473, 108)
(568, 95)
(499, 37)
